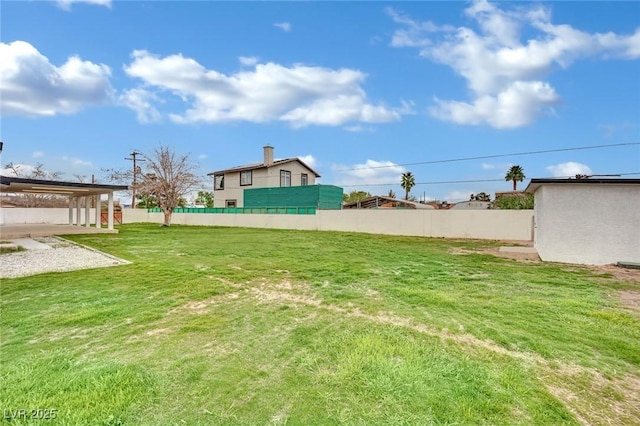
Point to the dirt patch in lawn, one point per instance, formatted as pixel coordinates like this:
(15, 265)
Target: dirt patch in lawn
(495, 251)
(199, 307)
(157, 332)
(283, 292)
(618, 273)
(611, 400)
(631, 299)
(606, 271)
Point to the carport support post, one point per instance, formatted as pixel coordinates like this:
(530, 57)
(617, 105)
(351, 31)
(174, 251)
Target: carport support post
(71, 201)
(78, 218)
(97, 212)
(87, 211)
(110, 211)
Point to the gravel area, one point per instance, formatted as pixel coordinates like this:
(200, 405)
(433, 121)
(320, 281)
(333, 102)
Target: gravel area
(64, 256)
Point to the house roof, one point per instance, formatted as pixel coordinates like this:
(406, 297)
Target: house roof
(39, 186)
(255, 166)
(380, 200)
(536, 183)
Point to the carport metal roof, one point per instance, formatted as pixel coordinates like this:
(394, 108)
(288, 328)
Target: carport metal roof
(55, 187)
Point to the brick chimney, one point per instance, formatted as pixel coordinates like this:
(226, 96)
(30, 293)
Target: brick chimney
(268, 155)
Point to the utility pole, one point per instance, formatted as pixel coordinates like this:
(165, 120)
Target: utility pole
(94, 200)
(133, 158)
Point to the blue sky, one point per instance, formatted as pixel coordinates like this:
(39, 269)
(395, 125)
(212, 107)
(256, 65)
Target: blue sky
(347, 86)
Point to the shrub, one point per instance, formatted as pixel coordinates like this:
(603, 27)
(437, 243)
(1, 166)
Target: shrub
(515, 202)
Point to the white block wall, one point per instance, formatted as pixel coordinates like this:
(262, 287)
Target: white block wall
(474, 224)
(592, 224)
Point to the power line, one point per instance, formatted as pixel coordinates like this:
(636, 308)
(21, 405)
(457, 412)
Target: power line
(443, 182)
(427, 183)
(484, 157)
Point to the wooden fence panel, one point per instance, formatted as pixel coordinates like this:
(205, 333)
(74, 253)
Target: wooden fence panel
(117, 217)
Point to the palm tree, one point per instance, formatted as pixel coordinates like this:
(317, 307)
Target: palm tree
(407, 182)
(515, 174)
(391, 194)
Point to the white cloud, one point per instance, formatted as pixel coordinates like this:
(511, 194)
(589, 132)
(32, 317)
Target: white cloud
(32, 86)
(358, 128)
(611, 130)
(66, 4)
(372, 172)
(514, 107)
(487, 166)
(413, 33)
(140, 100)
(77, 161)
(284, 26)
(37, 154)
(569, 169)
(504, 73)
(248, 61)
(202, 156)
(457, 196)
(22, 170)
(500, 168)
(339, 109)
(309, 160)
(300, 95)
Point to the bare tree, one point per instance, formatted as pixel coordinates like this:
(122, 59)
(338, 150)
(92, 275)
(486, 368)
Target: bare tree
(33, 172)
(125, 177)
(80, 178)
(168, 177)
(36, 172)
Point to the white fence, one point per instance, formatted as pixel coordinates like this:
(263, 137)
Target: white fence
(56, 216)
(474, 224)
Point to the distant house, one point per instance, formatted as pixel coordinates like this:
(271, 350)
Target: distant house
(472, 205)
(229, 184)
(381, 202)
(588, 221)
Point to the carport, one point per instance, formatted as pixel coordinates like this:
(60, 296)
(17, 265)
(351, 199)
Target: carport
(80, 197)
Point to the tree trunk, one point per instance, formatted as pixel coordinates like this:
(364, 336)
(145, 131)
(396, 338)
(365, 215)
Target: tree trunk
(406, 195)
(167, 218)
(514, 184)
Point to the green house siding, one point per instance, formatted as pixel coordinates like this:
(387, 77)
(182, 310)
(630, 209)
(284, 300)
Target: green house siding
(323, 197)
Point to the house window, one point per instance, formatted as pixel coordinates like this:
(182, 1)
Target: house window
(231, 203)
(245, 178)
(285, 178)
(304, 179)
(218, 183)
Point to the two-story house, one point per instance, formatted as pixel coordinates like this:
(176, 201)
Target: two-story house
(229, 184)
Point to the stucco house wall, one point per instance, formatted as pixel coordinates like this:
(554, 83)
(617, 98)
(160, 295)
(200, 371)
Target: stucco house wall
(263, 175)
(234, 191)
(296, 170)
(587, 223)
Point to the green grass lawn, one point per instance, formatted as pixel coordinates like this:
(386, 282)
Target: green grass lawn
(253, 326)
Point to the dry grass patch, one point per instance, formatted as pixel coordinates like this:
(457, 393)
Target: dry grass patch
(593, 398)
(630, 299)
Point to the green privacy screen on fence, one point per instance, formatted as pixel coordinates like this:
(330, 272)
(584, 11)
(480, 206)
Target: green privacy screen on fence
(289, 200)
(240, 210)
(322, 197)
